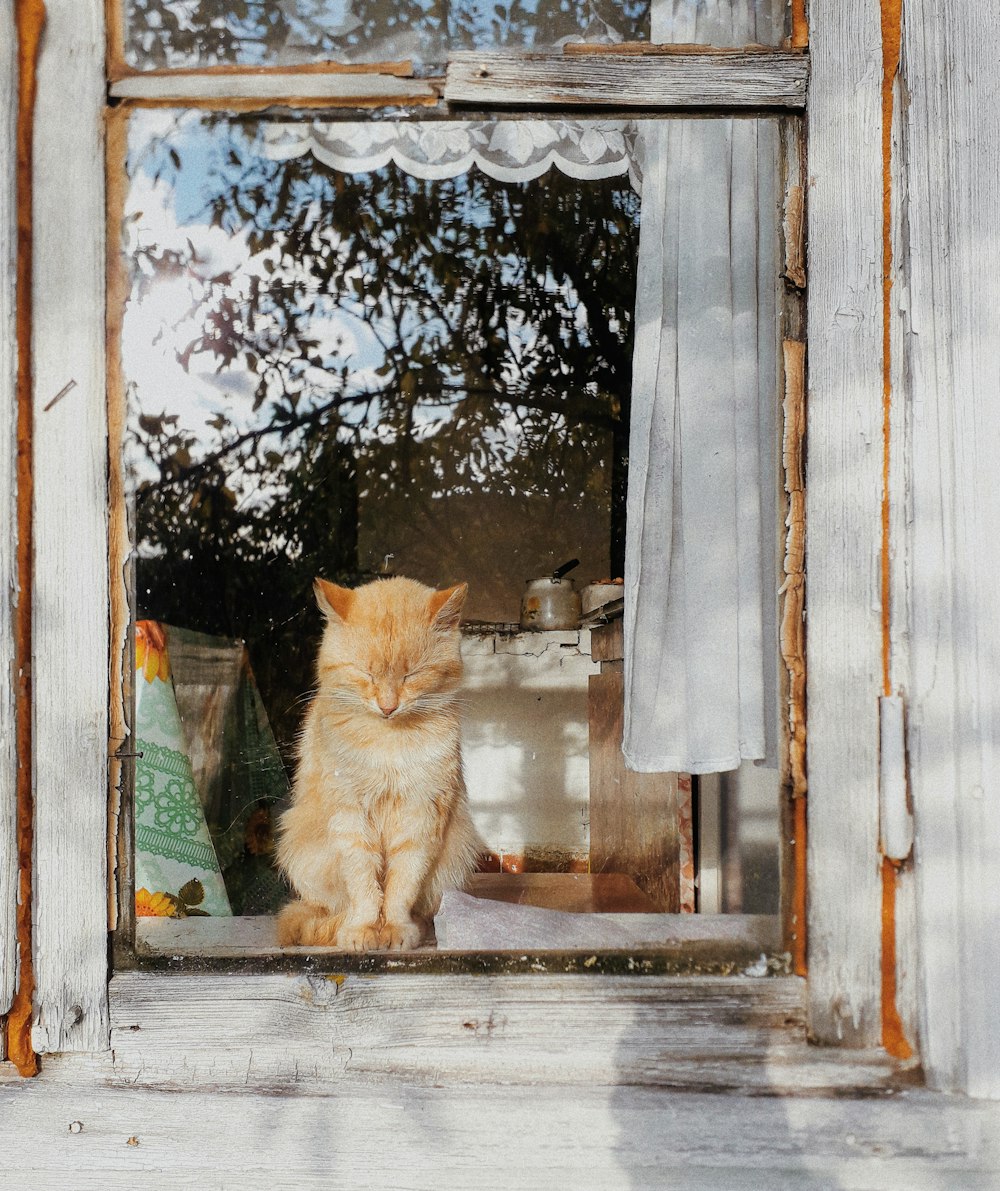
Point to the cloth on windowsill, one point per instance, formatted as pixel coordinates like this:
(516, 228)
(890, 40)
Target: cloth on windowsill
(466, 923)
(174, 854)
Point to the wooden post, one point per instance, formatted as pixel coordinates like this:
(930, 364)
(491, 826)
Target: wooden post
(70, 594)
(843, 497)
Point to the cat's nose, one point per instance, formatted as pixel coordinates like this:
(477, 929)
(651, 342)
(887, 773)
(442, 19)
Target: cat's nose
(388, 704)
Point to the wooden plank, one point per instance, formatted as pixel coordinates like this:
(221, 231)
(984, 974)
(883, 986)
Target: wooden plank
(714, 79)
(607, 642)
(8, 501)
(65, 1129)
(634, 825)
(952, 137)
(323, 1033)
(121, 564)
(306, 87)
(843, 634)
(649, 49)
(117, 69)
(71, 582)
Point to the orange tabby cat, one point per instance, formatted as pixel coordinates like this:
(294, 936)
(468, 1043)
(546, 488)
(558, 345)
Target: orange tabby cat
(379, 823)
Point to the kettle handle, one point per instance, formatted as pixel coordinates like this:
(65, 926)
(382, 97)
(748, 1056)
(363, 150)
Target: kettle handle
(565, 569)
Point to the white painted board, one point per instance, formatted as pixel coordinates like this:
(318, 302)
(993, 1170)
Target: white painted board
(843, 495)
(952, 142)
(70, 614)
(66, 1130)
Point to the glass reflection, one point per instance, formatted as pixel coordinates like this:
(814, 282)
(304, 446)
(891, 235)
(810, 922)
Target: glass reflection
(345, 374)
(178, 33)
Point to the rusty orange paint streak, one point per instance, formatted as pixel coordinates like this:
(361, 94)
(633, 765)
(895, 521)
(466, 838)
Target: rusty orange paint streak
(30, 23)
(891, 40)
(402, 69)
(116, 144)
(287, 101)
(800, 25)
(114, 23)
(893, 1035)
(792, 641)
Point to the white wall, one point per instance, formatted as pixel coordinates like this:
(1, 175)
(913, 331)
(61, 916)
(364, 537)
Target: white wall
(525, 739)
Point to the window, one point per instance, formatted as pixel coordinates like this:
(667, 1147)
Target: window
(68, 480)
(314, 337)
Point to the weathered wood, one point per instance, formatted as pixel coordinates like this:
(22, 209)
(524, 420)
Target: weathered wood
(65, 1129)
(8, 501)
(843, 492)
(305, 87)
(634, 825)
(714, 79)
(121, 565)
(900, 462)
(649, 49)
(952, 136)
(320, 1034)
(118, 69)
(607, 642)
(70, 664)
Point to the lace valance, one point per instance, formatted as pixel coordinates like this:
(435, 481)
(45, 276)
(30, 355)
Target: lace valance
(508, 150)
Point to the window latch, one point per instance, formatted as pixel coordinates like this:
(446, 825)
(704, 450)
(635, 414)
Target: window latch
(895, 817)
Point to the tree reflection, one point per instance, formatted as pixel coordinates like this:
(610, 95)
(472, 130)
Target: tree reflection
(434, 370)
(164, 33)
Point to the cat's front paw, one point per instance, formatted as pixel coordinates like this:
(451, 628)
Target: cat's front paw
(358, 938)
(400, 936)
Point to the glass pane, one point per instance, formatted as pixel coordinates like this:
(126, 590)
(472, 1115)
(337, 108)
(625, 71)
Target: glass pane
(348, 374)
(179, 33)
(365, 349)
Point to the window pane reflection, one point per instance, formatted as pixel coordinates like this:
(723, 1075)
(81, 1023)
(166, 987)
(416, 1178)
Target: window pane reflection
(348, 374)
(179, 33)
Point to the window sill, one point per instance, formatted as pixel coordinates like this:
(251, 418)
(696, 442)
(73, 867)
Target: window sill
(321, 1033)
(673, 945)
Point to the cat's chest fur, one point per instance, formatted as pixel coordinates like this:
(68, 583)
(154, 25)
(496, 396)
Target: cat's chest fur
(374, 761)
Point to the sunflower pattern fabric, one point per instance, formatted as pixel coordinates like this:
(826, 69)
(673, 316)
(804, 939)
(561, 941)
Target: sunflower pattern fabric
(174, 853)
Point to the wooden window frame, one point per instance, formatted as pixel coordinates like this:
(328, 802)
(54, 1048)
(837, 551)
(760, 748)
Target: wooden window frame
(74, 834)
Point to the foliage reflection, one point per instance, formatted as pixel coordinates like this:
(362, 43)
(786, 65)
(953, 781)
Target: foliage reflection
(326, 369)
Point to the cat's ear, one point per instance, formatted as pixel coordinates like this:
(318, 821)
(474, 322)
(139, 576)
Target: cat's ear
(446, 606)
(334, 602)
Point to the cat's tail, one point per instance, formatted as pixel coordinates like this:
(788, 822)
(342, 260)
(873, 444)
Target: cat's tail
(306, 924)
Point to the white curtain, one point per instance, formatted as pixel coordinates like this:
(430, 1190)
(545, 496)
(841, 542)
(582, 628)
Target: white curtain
(700, 572)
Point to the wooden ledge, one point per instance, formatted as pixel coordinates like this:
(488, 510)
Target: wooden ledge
(320, 1033)
(698, 79)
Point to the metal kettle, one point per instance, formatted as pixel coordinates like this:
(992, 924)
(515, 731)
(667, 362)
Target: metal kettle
(551, 602)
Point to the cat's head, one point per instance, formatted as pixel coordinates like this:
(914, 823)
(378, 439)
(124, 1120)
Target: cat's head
(390, 648)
